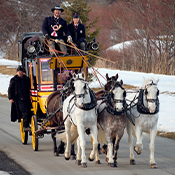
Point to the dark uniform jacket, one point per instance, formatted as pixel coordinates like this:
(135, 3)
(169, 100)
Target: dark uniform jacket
(49, 22)
(78, 35)
(19, 89)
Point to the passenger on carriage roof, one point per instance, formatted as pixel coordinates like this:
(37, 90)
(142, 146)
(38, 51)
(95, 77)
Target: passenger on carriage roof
(19, 97)
(53, 27)
(77, 30)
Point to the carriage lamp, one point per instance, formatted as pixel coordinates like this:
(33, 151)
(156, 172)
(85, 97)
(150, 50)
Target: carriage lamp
(30, 49)
(94, 46)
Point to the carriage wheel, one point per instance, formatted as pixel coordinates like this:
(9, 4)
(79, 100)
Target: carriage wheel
(34, 127)
(24, 135)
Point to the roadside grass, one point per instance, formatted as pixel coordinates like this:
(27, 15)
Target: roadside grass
(12, 71)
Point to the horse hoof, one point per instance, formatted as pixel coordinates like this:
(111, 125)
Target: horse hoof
(104, 150)
(91, 159)
(137, 151)
(67, 158)
(73, 157)
(132, 162)
(107, 159)
(99, 152)
(98, 162)
(56, 154)
(83, 165)
(60, 151)
(115, 164)
(111, 164)
(153, 166)
(78, 162)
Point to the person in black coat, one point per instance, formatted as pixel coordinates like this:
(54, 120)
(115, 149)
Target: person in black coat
(54, 27)
(77, 30)
(19, 97)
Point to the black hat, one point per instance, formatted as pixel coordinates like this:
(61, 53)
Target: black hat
(75, 15)
(57, 8)
(20, 68)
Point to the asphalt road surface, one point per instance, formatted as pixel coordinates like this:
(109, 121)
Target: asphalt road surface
(44, 162)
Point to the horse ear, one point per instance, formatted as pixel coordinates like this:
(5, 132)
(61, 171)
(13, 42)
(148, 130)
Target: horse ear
(121, 82)
(144, 82)
(116, 77)
(157, 80)
(83, 75)
(107, 77)
(74, 75)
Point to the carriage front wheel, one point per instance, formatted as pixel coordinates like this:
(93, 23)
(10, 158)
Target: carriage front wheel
(24, 135)
(34, 127)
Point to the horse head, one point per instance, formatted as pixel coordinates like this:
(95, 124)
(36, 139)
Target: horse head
(80, 86)
(118, 95)
(110, 82)
(151, 93)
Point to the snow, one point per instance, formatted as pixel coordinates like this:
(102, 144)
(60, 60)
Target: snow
(166, 87)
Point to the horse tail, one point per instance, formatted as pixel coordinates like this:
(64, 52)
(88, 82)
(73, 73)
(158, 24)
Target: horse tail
(74, 135)
(101, 137)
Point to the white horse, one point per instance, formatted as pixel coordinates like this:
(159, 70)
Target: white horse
(144, 114)
(79, 109)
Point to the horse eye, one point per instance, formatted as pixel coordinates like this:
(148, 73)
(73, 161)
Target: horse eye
(124, 94)
(157, 92)
(146, 92)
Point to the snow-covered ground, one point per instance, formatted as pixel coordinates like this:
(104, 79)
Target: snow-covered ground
(166, 87)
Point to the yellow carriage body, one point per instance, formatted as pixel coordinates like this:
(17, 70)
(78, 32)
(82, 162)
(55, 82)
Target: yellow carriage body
(41, 72)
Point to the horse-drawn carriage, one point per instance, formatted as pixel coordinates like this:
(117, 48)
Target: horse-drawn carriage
(47, 74)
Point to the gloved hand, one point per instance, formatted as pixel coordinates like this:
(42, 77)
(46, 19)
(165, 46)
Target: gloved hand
(47, 36)
(69, 39)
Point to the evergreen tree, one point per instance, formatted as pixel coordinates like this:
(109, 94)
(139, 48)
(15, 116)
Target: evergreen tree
(81, 7)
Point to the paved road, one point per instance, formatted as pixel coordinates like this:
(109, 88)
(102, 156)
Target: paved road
(44, 162)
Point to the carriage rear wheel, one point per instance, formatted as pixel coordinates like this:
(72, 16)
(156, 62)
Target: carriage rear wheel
(24, 135)
(34, 127)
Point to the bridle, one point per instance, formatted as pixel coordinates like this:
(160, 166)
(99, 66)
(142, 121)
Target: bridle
(85, 106)
(146, 92)
(141, 107)
(109, 104)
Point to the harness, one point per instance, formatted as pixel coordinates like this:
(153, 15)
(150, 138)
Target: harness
(109, 107)
(83, 106)
(141, 107)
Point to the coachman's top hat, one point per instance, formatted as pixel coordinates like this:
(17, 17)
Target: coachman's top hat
(57, 8)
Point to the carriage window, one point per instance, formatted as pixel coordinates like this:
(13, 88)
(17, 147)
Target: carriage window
(46, 72)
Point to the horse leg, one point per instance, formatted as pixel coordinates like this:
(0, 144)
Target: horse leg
(151, 147)
(139, 146)
(94, 152)
(78, 157)
(130, 141)
(61, 148)
(72, 152)
(109, 157)
(116, 147)
(80, 129)
(54, 142)
(68, 137)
